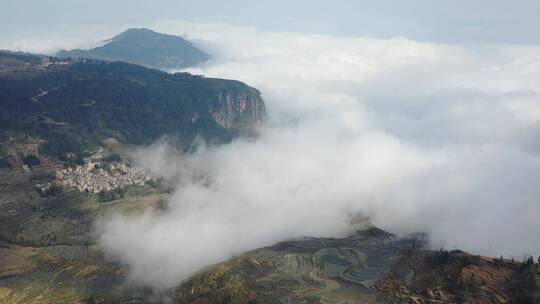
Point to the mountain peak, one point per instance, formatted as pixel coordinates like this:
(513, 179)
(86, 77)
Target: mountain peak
(139, 29)
(145, 47)
(134, 32)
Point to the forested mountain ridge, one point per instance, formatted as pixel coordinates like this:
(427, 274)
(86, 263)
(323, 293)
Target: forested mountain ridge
(144, 47)
(74, 104)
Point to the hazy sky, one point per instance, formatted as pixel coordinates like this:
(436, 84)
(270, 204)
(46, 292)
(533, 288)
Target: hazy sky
(445, 20)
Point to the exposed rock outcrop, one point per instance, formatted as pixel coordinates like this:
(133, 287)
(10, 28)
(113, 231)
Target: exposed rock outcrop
(238, 110)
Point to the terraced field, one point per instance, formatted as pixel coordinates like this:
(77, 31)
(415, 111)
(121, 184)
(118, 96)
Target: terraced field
(46, 251)
(62, 274)
(304, 271)
(371, 266)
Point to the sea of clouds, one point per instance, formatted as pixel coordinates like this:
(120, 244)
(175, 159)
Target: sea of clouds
(416, 136)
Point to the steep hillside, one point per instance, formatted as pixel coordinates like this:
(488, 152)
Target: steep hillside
(144, 47)
(72, 105)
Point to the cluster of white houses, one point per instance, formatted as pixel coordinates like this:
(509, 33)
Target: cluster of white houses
(90, 177)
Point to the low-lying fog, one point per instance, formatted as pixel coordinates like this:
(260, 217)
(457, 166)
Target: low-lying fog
(416, 136)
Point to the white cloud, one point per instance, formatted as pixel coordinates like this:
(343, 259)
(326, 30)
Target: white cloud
(418, 136)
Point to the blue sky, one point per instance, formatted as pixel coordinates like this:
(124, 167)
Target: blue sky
(456, 21)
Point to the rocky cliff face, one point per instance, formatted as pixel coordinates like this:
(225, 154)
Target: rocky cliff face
(234, 110)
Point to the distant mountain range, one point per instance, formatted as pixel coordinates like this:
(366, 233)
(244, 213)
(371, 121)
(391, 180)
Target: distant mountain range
(144, 47)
